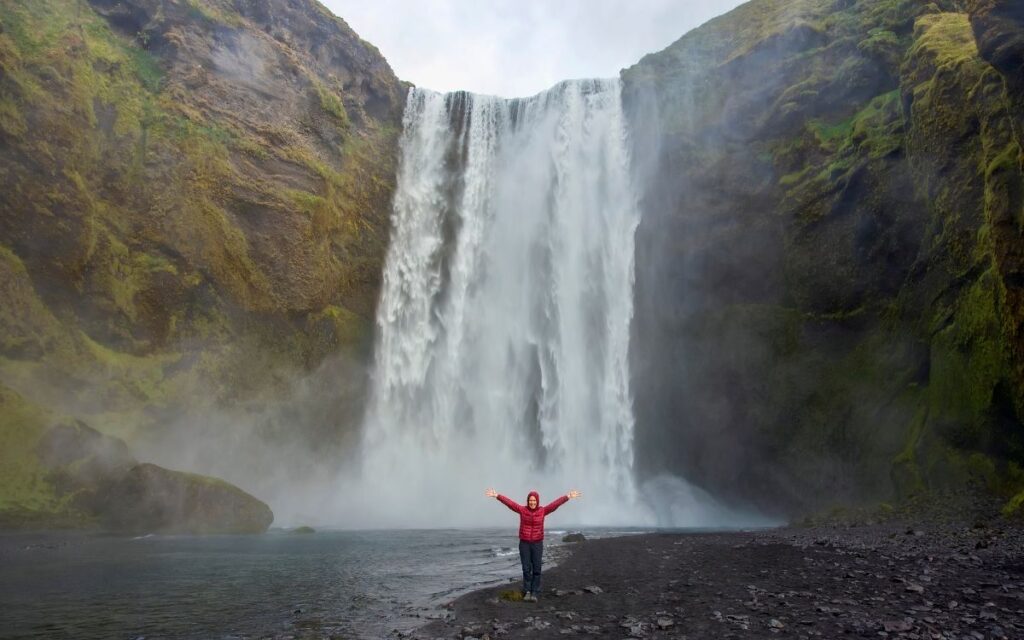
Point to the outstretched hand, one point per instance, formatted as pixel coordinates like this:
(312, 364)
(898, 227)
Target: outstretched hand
(491, 493)
(574, 494)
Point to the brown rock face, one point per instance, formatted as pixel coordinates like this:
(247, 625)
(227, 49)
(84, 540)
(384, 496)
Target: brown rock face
(301, 90)
(195, 206)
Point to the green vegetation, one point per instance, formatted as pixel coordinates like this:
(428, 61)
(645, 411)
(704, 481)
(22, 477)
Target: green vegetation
(168, 241)
(23, 486)
(332, 104)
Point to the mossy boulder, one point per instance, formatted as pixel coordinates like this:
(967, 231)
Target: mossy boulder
(149, 498)
(80, 460)
(103, 479)
(57, 472)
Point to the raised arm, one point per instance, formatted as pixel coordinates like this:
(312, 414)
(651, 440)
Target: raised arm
(560, 501)
(508, 502)
(557, 503)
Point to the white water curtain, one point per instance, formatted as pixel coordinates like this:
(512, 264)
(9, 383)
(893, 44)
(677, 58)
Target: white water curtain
(505, 314)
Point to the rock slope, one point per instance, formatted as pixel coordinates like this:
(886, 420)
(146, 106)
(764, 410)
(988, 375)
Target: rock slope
(195, 209)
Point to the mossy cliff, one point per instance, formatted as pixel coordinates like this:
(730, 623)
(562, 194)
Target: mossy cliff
(194, 208)
(829, 271)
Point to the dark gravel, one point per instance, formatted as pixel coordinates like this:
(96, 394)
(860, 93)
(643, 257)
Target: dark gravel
(879, 581)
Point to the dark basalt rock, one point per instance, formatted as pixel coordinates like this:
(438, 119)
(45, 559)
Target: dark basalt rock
(999, 30)
(829, 300)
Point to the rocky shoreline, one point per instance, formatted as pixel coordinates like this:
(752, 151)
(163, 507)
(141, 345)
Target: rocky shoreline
(891, 580)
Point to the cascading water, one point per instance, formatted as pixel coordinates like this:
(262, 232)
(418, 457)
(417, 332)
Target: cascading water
(504, 319)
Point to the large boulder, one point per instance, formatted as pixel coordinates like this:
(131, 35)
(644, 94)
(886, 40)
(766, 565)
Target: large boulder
(149, 498)
(104, 483)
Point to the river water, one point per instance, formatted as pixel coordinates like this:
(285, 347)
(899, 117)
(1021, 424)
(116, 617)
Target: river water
(362, 584)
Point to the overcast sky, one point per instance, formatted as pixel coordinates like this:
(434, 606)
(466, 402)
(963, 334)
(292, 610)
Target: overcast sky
(519, 47)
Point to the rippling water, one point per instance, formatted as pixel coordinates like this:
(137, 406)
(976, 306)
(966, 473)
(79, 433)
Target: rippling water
(364, 584)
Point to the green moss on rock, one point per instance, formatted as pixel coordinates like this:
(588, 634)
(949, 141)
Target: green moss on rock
(168, 241)
(24, 488)
(149, 498)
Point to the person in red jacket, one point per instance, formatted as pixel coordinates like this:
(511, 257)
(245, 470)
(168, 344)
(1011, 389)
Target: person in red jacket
(531, 535)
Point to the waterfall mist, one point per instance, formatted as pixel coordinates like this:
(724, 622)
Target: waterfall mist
(504, 321)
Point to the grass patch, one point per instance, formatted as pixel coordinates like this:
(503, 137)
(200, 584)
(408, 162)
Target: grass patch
(22, 481)
(332, 104)
(947, 37)
(511, 595)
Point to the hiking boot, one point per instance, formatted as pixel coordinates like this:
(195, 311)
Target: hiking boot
(529, 597)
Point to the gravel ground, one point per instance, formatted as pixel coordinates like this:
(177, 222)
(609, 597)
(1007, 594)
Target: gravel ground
(889, 580)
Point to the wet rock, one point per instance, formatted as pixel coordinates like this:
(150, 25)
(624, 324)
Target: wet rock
(103, 479)
(149, 498)
(574, 537)
(561, 593)
(897, 625)
(82, 456)
(593, 589)
(636, 628)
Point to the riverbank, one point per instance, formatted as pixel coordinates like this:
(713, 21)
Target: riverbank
(891, 580)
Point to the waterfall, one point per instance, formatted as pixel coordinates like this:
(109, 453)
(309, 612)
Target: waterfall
(503, 324)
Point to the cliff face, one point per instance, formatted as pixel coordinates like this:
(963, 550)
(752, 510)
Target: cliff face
(195, 208)
(829, 267)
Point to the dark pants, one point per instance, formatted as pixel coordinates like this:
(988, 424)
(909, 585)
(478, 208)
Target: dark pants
(530, 554)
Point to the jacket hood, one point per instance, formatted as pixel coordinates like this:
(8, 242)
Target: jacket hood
(535, 495)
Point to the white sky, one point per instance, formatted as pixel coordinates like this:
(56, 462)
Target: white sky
(519, 47)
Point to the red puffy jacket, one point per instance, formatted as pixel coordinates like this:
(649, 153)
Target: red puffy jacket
(531, 521)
